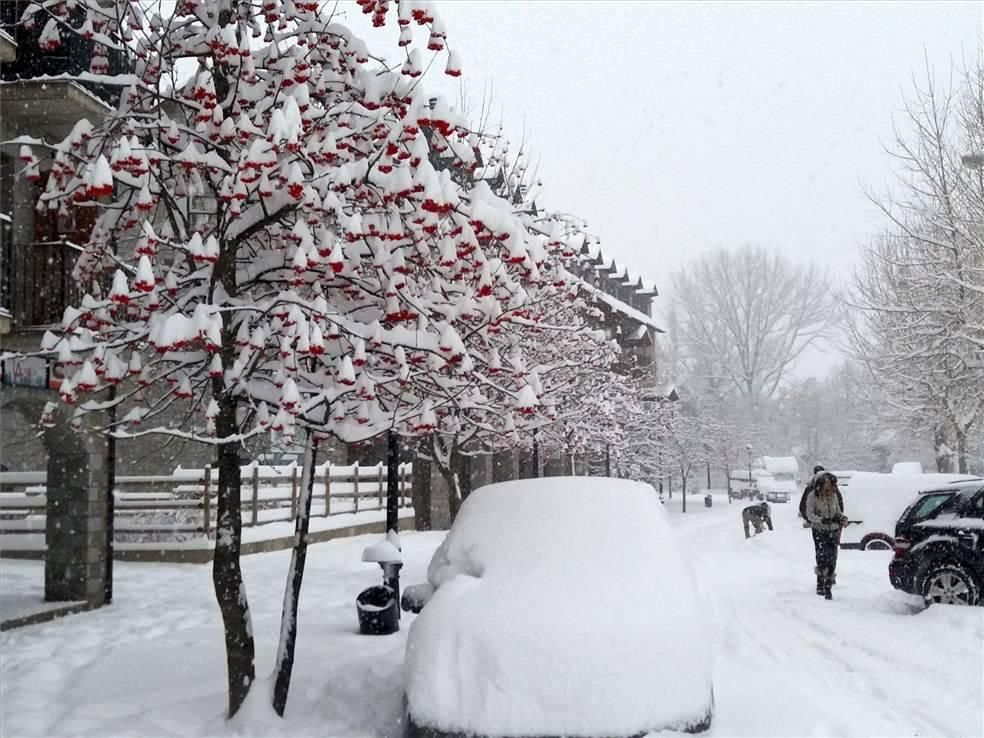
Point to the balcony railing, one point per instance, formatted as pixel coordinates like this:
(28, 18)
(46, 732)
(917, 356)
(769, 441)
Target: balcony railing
(37, 281)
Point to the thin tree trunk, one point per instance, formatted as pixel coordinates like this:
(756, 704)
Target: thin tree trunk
(110, 502)
(393, 481)
(227, 575)
(295, 577)
(961, 450)
(420, 489)
(683, 489)
(450, 477)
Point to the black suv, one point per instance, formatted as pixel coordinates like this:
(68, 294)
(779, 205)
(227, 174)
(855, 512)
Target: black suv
(939, 545)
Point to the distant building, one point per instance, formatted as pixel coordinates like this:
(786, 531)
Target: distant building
(626, 300)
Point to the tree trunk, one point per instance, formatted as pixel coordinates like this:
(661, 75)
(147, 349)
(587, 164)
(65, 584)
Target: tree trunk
(110, 502)
(683, 489)
(227, 575)
(421, 492)
(393, 481)
(455, 469)
(463, 466)
(448, 473)
(961, 450)
(943, 461)
(295, 576)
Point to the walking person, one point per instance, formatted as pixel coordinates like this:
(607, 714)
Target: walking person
(757, 515)
(809, 486)
(824, 513)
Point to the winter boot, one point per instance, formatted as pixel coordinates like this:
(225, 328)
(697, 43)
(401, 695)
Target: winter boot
(820, 582)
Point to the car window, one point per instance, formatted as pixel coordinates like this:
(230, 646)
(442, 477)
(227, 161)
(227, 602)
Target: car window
(928, 506)
(975, 508)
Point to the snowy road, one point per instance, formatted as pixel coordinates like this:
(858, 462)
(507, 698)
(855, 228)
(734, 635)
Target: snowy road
(870, 663)
(788, 663)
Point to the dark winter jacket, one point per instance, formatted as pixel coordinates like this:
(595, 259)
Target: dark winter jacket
(760, 512)
(815, 483)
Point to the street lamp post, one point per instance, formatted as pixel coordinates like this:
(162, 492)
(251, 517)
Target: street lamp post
(748, 452)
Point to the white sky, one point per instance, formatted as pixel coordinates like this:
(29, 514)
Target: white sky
(677, 127)
(674, 128)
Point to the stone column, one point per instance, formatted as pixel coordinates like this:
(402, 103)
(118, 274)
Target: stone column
(75, 566)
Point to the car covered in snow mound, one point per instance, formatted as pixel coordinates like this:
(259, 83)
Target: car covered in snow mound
(559, 607)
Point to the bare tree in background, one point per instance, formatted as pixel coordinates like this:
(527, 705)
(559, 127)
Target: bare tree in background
(919, 326)
(747, 315)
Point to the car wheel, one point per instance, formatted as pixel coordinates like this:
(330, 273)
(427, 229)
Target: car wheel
(877, 543)
(949, 584)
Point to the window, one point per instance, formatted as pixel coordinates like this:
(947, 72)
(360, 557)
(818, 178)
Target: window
(928, 505)
(974, 508)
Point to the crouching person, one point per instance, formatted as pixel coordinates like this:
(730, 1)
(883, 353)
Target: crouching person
(758, 515)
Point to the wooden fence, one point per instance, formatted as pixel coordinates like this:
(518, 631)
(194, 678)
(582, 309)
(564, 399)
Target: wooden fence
(158, 508)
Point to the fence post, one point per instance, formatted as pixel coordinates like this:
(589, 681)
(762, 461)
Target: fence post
(206, 513)
(355, 485)
(403, 485)
(381, 484)
(327, 489)
(293, 492)
(256, 492)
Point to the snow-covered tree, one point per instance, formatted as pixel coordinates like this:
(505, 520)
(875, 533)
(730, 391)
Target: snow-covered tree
(919, 296)
(747, 315)
(276, 250)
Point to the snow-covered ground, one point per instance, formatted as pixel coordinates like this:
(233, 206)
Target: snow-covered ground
(787, 663)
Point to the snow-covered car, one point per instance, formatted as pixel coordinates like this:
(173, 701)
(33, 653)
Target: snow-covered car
(559, 607)
(776, 495)
(877, 500)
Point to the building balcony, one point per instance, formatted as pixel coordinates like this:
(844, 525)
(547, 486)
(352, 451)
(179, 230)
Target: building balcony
(36, 284)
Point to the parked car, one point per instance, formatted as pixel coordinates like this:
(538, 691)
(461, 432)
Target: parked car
(776, 495)
(877, 500)
(939, 545)
(558, 606)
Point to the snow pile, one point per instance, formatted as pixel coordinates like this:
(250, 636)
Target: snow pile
(880, 499)
(581, 574)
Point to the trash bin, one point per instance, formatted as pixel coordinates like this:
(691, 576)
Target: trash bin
(708, 500)
(379, 613)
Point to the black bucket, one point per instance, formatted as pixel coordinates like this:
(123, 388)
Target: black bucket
(379, 612)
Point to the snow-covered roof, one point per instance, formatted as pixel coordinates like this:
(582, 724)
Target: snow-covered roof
(619, 306)
(780, 464)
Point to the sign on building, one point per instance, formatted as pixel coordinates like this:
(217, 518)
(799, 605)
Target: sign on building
(30, 371)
